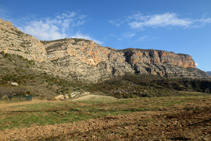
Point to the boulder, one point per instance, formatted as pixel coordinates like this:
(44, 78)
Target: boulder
(75, 94)
(14, 83)
(60, 97)
(85, 93)
(66, 96)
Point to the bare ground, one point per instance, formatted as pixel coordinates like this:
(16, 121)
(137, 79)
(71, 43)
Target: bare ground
(188, 121)
(94, 97)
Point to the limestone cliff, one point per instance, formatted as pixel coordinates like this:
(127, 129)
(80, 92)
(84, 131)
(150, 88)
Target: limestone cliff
(14, 41)
(86, 60)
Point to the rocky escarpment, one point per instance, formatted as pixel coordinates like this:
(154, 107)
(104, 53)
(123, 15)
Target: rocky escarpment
(14, 41)
(141, 60)
(85, 60)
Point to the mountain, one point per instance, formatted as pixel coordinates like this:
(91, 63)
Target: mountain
(14, 41)
(209, 72)
(49, 68)
(86, 60)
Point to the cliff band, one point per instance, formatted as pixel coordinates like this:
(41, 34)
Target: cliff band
(85, 60)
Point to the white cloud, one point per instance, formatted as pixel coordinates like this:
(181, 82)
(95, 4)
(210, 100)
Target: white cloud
(196, 64)
(52, 28)
(201, 22)
(83, 36)
(162, 20)
(140, 21)
(43, 30)
(207, 20)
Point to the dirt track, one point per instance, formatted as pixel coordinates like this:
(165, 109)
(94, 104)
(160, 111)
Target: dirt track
(190, 121)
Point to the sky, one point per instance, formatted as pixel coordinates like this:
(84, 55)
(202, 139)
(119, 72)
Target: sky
(180, 26)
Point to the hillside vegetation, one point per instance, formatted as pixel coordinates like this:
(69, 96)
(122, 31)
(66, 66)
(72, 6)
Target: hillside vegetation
(36, 82)
(136, 85)
(33, 81)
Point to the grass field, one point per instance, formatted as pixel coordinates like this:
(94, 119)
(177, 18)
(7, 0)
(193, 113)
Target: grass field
(106, 118)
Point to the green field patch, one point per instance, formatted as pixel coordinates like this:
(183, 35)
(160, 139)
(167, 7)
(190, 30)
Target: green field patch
(46, 113)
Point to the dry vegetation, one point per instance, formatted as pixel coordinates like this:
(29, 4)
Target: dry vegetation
(14, 68)
(184, 117)
(155, 108)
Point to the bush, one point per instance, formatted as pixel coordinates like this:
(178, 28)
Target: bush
(207, 90)
(6, 55)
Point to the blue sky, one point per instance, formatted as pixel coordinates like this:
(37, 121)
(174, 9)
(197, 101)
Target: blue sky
(181, 26)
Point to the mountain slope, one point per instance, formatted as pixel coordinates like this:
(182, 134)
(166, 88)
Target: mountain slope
(14, 41)
(86, 60)
(80, 59)
(209, 72)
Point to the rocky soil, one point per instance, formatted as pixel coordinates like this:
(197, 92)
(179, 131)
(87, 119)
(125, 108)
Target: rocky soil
(185, 121)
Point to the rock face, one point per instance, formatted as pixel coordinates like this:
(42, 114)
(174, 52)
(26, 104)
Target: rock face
(14, 41)
(85, 60)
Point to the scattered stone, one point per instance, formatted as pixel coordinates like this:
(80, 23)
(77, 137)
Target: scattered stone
(66, 96)
(14, 84)
(75, 94)
(85, 93)
(60, 97)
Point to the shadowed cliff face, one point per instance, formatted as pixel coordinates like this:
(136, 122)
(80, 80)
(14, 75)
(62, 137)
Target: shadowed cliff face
(86, 60)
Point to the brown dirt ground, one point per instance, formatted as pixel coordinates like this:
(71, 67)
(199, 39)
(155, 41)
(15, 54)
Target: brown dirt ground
(190, 121)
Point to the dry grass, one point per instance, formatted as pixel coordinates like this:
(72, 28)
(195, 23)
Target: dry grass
(95, 98)
(164, 118)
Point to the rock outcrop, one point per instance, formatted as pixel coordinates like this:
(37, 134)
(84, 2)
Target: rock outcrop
(85, 60)
(14, 41)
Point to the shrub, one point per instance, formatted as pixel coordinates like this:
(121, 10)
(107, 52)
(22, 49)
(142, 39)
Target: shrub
(6, 55)
(207, 90)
